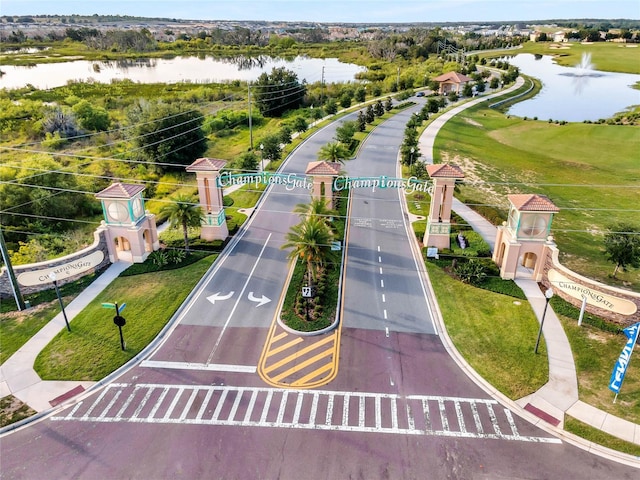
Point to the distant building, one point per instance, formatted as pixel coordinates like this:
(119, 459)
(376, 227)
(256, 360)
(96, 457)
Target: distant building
(452, 82)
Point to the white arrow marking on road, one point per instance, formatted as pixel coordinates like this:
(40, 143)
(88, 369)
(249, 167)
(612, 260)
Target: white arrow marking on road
(261, 301)
(217, 296)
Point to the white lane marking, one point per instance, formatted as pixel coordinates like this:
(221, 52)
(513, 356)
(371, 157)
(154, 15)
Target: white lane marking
(380, 270)
(381, 283)
(252, 403)
(187, 406)
(476, 418)
(244, 287)
(386, 415)
(386, 331)
(155, 408)
(296, 413)
(379, 259)
(209, 367)
(410, 422)
(443, 415)
(267, 404)
(173, 403)
(385, 313)
(463, 427)
(378, 247)
(383, 298)
(216, 412)
(236, 404)
(205, 402)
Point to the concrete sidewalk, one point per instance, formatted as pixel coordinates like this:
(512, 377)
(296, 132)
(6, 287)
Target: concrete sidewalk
(559, 396)
(17, 376)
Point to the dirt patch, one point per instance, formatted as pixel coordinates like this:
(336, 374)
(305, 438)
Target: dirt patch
(12, 410)
(471, 121)
(476, 174)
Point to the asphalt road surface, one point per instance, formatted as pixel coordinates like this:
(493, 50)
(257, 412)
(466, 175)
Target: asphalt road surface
(396, 407)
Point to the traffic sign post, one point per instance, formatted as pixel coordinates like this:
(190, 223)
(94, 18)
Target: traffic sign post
(118, 320)
(307, 292)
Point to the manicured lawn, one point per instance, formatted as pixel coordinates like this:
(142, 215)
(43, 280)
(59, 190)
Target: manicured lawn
(598, 436)
(589, 171)
(494, 333)
(595, 353)
(92, 349)
(606, 56)
(16, 328)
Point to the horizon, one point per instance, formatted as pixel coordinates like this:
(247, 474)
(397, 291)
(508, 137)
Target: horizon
(338, 11)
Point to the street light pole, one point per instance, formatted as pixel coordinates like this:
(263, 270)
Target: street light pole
(547, 295)
(412, 152)
(262, 156)
(52, 276)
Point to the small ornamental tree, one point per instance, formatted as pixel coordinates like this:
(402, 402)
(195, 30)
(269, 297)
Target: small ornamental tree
(378, 110)
(622, 246)
(362, 121)
(369, 115)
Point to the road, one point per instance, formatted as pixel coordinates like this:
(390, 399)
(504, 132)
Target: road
(230, 395)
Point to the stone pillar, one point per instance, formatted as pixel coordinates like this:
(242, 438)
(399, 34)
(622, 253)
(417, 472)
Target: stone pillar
(323, 175)
(214, 224)
(437, 233)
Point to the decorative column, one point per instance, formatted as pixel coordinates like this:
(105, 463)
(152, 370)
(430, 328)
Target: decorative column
(131, 232)
(444, 176)
(323, 175)
(214, 224)
(523, 241)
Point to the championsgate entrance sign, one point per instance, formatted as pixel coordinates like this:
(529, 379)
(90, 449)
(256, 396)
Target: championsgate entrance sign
(292, 181)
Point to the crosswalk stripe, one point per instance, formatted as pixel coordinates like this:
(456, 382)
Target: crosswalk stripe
(354, 411)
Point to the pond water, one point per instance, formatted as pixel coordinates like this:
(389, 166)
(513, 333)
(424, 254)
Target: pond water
(204, 69)
(574, 94)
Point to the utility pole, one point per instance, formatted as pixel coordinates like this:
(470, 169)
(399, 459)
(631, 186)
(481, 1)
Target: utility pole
(322, 88)
(250, 127)
(15, 288)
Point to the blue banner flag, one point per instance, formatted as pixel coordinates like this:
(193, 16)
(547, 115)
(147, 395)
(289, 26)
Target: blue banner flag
(621, 365)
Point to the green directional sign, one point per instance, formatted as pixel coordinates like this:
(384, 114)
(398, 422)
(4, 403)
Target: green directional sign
(109, 305)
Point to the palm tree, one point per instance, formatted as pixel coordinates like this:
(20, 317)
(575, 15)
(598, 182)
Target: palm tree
(311, 240)
(183, 211)
(333, 152)
(317, 208)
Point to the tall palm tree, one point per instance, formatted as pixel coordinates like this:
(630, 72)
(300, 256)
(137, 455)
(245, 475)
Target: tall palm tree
(333, 152)
(311, 240)
(184, 212)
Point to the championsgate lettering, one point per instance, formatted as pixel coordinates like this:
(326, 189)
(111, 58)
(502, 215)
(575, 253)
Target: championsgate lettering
(292, 181)
(410, 185)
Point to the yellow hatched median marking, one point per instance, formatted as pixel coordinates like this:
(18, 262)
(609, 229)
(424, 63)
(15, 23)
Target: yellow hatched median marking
(303, 381)
(299, 366)
(287, 345)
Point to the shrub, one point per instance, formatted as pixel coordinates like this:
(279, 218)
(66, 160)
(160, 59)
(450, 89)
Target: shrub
(472, 271)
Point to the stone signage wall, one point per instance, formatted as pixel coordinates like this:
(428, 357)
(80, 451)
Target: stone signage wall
(614, 304)
(68, 263)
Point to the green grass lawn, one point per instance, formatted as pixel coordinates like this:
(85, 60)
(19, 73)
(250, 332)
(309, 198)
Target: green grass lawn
(16, 328)
(595, 353)
(606, 56)
(92, 349)
(590, 171)
(495, 333)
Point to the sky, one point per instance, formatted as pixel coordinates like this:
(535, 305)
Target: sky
(327, 11)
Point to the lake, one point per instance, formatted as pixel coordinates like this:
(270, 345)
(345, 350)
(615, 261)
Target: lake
(204, 69)
(574, 94)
